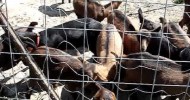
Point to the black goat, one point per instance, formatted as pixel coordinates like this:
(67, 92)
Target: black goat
(73, 32)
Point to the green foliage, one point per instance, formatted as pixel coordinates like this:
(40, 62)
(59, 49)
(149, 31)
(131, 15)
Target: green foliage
(178, 1)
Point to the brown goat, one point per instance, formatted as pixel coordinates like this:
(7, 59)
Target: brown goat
(143, 71)
(65, 67)
(186, 18)
(104, 94)
(60, 65)
(108, 41)
(176, 35)
(94, 9)
(144, 38)
(173, 41)
(98, 92)
(123, 23)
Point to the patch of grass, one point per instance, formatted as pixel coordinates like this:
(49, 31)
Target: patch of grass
(178, 1)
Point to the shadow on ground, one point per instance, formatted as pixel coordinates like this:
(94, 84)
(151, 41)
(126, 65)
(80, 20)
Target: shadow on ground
(53, 11)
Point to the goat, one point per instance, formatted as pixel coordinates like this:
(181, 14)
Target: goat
(123, 24)
(22, 31)
(65, 67)
(176, 35)
(94, 9)
(143, 71)
(179, 39)
(103, 94)
(144, 37)
(28, 29)
(60, 65)
(167, 48)
(73, 34)
(145, 23)
(98, 92)
(6, 43)
(185, 20)
(184, 56)
(158, 44)
(108, 41)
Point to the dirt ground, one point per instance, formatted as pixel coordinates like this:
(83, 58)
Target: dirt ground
(22, 12)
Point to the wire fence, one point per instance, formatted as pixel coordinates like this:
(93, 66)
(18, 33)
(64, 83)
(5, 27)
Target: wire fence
(88, 59)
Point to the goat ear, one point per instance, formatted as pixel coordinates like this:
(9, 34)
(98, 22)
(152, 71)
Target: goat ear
(33, 23)
(31, 26)
(163, 20)
(140, 11)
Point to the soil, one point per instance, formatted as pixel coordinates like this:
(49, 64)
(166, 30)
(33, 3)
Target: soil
(22, 12)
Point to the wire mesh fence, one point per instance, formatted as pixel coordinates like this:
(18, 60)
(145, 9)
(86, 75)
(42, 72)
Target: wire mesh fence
(94, 50)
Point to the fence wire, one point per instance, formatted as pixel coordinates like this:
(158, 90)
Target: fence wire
(78, 73)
